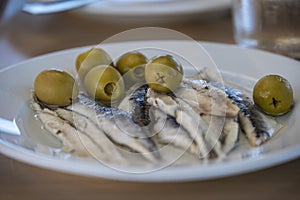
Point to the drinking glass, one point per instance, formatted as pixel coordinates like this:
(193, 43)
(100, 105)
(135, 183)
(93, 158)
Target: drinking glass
(272, 25)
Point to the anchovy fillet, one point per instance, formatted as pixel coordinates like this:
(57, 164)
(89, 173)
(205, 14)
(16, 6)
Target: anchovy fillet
(224, 132)
(89, 126)
(168, 131)
(258, 127)
(96, 141)
(164, 127)
(184, 115)
(82, 140)
(230, 134)
(118, 126)
(206, 99)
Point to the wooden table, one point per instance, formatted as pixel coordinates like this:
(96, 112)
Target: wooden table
(28, 36)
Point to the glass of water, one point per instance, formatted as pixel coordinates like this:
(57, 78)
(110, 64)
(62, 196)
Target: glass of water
(272, 25)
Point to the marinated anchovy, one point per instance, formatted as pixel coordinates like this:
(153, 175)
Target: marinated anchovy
(118, 126)
(168, 131)
(257, 127)
(163, 126)
(230, 134)
(212, 135)
(62, 130)
(78, 134)
(206, 99)
(93, 138)
(224, 131)
(90, 120)
(184, 115)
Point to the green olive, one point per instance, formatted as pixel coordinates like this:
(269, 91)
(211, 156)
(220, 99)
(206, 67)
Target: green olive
(89, 59)
(132, 66)
(104, 83)
(164, 73)
(55, 87)
(273, 94)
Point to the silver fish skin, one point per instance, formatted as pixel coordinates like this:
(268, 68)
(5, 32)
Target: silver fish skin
(118, 126)
(139, 107)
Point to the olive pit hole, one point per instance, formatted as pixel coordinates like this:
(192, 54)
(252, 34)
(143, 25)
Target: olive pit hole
(139, 71)
(110, 88)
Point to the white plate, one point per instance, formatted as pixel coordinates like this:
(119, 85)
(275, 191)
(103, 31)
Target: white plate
(16, 82)
(154, 10)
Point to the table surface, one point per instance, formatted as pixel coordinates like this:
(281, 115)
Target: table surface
(27, 36)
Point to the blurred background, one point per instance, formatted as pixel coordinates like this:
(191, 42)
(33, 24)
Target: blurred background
(24, 35)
